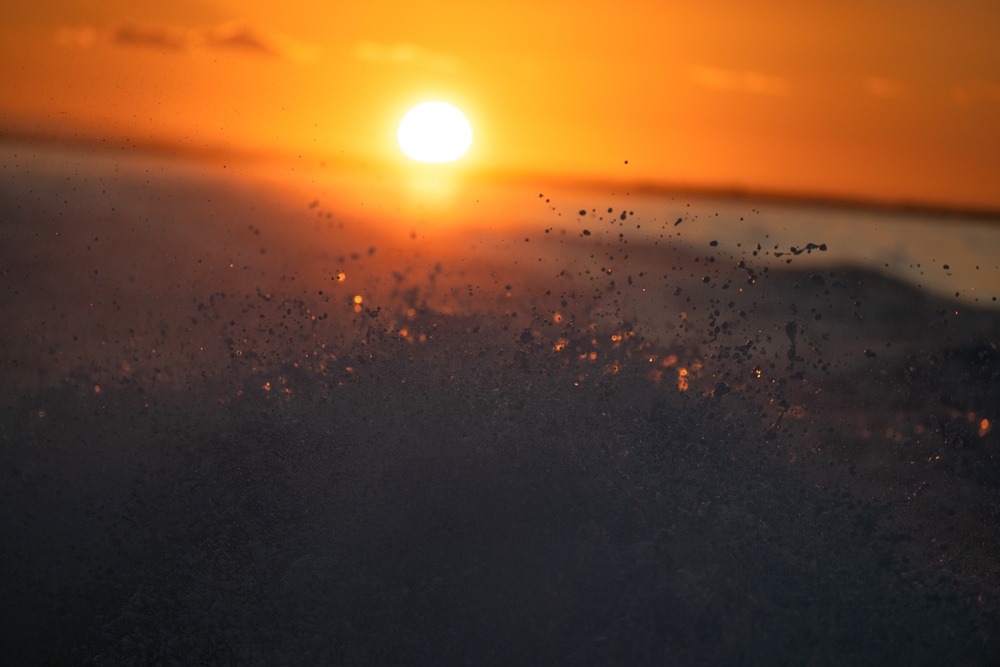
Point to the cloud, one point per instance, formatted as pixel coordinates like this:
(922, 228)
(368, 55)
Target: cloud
(967, 94)
(405, 54)
(83, 36)
(744, 81)
(235, 36)
(879, 86)
(154, 36)
(247, 37)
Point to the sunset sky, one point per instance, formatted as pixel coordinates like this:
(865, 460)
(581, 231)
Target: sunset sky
(891, 101)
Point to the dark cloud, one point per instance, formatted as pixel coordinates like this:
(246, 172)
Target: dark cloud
(155, 36)
(247, 37)
(232, 36)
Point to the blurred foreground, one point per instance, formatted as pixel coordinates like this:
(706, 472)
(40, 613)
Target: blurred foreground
(300, 420)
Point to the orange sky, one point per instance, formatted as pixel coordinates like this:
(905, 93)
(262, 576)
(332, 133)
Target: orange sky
(893, 101)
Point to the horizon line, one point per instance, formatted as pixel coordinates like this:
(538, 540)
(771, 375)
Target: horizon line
(646, 186)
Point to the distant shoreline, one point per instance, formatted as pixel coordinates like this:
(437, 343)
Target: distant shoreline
(210, 152)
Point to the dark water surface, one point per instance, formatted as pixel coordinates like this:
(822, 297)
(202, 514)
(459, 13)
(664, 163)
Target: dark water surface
(660, 431)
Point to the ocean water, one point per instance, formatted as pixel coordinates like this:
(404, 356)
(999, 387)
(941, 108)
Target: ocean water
(284, 414)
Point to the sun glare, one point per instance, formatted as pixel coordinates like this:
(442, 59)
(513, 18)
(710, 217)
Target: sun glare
(434, 132)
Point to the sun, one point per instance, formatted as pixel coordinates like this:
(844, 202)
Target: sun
(434, 132)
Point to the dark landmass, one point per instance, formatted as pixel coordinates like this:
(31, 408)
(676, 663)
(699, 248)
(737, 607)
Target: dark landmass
(102, 141)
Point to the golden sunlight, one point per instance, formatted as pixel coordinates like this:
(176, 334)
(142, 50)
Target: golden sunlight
(434, 132)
